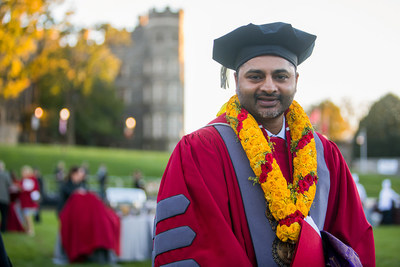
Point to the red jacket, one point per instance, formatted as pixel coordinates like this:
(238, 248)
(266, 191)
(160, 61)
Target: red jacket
(30, 194)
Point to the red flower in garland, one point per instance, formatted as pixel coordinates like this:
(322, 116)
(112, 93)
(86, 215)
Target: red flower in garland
(302, 143)
(309, 179)
(303, 186)
(242, 115)
(306, 182)
(269, 157)
(265, 168)
(304, 140)
(263, 177)
(297, 216)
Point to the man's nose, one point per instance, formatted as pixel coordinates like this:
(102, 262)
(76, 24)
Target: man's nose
(269, 85)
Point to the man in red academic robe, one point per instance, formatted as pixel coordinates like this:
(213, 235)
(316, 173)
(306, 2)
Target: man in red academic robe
(209, 212)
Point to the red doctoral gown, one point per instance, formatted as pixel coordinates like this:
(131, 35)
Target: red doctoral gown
(86, 224)
(200, 171)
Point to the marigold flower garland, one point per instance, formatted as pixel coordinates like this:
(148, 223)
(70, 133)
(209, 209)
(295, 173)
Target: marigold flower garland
(288, 203)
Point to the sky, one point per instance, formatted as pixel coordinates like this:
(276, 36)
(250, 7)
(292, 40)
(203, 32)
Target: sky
(356, 56)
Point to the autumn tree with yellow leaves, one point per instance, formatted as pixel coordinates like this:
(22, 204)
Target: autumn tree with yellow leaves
(21, 26)
(328, 120)
(20, 29)
(62, 65)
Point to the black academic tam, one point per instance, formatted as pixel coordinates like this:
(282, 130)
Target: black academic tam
(249, 41)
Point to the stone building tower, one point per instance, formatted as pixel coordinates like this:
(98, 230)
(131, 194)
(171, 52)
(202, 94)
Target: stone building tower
(151, 80)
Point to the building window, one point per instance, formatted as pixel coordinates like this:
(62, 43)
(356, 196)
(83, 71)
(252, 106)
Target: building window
(147, 125)
(147, 67)
(173, 66)
(158, 66)
(128, 96)
(125, 70)
(157, 93)
(147, 94)
(172, 93)
(173, 126)
(159, 37)
(157, 125)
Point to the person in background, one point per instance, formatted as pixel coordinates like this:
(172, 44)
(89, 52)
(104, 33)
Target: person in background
(89, 230)
(388, 199)
(15, 216)
(59, 173)
(75, 180)
(4, 259)
(138, 181)
(39, 178)
(360, 188)
(85, 167)
(29, 197)
(5, 184)
(102, 179)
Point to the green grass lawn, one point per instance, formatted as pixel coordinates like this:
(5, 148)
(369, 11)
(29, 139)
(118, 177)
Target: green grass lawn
(120, 162)
(373, 183)
(387, 245)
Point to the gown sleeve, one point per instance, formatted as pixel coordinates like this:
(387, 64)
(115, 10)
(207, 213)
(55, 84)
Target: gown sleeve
(345, 218)
(195, 221)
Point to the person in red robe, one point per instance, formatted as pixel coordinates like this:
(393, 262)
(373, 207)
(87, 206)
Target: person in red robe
(89, 230)
(29, 197)
(15, 219)
(211, 209)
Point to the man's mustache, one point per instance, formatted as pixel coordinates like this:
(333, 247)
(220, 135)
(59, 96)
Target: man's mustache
(264, 94)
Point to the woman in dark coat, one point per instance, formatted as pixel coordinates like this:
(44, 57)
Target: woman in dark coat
(74, 181)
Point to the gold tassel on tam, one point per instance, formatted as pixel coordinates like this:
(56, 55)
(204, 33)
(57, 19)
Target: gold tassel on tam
(224, 77)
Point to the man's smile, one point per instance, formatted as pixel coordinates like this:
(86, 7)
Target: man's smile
(267, 101)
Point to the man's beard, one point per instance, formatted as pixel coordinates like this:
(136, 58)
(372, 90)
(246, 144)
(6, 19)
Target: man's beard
(285, 102)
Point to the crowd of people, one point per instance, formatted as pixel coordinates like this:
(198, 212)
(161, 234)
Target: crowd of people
(23, 193)
(386, 210)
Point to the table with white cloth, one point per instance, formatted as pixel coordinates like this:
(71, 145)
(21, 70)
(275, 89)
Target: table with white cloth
(136, 214)
(136, 237)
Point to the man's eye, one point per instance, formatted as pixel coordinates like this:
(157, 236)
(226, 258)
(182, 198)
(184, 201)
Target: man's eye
(254, 77)
(281, 77)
